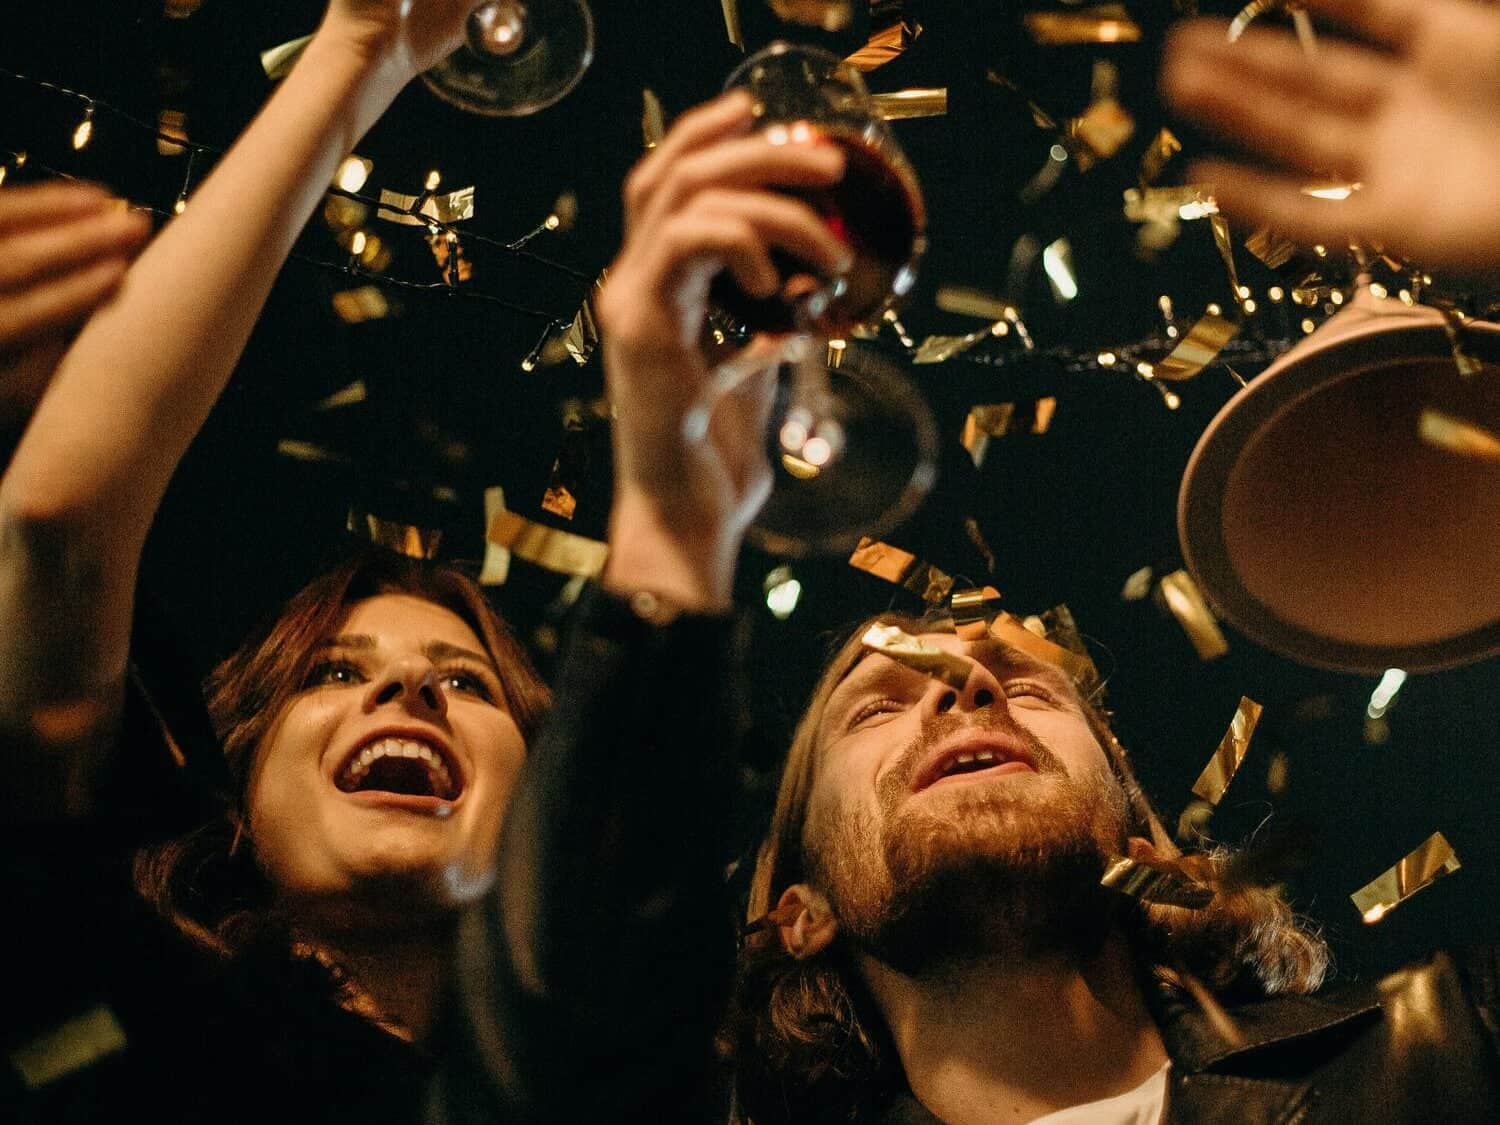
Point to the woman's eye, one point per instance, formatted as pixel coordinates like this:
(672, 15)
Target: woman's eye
(338, 672)
(470, 683)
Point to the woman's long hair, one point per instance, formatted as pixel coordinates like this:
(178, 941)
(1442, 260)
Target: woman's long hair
(207, 883)
(807, 1040)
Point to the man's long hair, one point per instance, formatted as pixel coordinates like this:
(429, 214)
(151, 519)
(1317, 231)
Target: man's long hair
(207, 884)
(808, 1041)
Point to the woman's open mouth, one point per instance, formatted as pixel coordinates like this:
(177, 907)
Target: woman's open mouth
(404, 766)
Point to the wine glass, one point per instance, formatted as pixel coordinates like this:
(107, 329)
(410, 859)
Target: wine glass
(519, 57)
(852, 444)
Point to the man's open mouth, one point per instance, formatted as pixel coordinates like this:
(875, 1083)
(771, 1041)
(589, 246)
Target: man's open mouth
(406, 766)
(973, 756)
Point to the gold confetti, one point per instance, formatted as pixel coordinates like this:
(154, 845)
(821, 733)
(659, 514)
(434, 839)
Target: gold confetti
(974, 611)
(1145, 883)
(1455, 324)
(68, 1048)
(1430, 860)
(1077, 665)
(981, 544)
(496, 569)
(1225, 243)
(884, 45)
(1196, 350)
(902, 568)
(921, 101)
(571, 465)
(171, 132)
(1457, 436)
(402, 538)
(1159, 153)
(1105, 126)
(653, 119)
(993, 420)
(944, 666)
(581, 340)
(547, 547)
(355, 393)
(1104, 23)
(1138, 586)
(830, 15)
(732, 26)
(1180, 596)
(417, 210)
(973, 302)
(1169, 204)
(278, 61)
(1278, 773)
(368, 302)
(310, 452)
(1226, 761)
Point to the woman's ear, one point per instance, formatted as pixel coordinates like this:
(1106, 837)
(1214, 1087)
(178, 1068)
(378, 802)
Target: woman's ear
(804, 921)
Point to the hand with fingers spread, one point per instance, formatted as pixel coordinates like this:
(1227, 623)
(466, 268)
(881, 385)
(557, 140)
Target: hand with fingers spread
(1411, 113)
(63, 250)
(704, 202)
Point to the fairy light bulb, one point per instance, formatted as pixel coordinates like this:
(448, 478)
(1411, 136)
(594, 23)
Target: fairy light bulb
(85, 131)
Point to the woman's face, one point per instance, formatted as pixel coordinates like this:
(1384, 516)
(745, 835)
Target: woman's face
(381, 785)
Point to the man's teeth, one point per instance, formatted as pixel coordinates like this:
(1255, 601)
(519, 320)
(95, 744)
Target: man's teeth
(981, 757)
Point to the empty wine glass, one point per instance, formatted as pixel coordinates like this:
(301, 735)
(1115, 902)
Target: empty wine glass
(518, 57)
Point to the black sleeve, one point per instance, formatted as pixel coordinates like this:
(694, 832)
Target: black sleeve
(592, 980)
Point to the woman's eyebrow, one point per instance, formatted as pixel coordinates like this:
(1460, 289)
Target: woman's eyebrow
(348, 640)
(442, 650)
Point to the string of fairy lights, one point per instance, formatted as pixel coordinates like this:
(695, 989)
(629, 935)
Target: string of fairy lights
(172, 142)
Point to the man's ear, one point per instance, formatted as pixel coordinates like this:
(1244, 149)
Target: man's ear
(804, 921)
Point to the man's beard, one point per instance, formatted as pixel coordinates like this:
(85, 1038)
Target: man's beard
(1002, 868)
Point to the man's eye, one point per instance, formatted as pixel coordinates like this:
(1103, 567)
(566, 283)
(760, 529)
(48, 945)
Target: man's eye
(332, 672)
(1025, 689)
(874, 709)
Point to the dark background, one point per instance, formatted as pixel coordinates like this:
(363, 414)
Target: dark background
(1069, 514)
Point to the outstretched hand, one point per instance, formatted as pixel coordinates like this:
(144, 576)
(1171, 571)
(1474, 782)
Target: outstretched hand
(414, 35)
(63, 251)
(1412, 117)
(703, 203)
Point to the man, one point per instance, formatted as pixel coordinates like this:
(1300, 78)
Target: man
(936, 945)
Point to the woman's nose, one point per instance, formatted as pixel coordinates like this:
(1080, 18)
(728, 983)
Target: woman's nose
(411, 681)
(981, 689)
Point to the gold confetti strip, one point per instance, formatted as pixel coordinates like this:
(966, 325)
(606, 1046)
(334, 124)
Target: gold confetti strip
(1458, 436)
(964, 301)
(1105, 126)
(1138, 586)
(919, 101)
(944, 666)
(1077, 666)
(582, 337)
(1225, 242)
(884, 45)
(308, 451)
(1226, 761)
(403, 538)
(830, 15)
(496, 569)
(409, 210)
(940, 349)
(68, 1048)
(1455, 324)
(368, 302)
(1159, 153)
(1196, 350)
(1270, 248)
(974, 611)
(171, 132)
(1180, 595)
(1430, 860)
(355, 393)
(653, 119)
(732, 26)
(278, 61)
(902, 568)
(993, 420)
(1278, 773)
(981, 544)
(571, 465)
(1139, 880)
(1105, 23)
(547, 547)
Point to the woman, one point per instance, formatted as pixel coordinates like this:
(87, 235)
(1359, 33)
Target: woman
(576, 995)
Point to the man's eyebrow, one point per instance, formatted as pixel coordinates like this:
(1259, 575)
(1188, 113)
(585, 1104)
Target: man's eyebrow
(994, 654)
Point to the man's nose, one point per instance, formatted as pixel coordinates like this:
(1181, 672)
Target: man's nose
(413, 682)
(981, 689)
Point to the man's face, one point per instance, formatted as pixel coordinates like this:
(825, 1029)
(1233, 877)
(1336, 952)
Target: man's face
(941, 817)
(385, 777)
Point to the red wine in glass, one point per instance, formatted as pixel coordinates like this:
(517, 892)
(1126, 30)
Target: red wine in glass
(877, 210)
